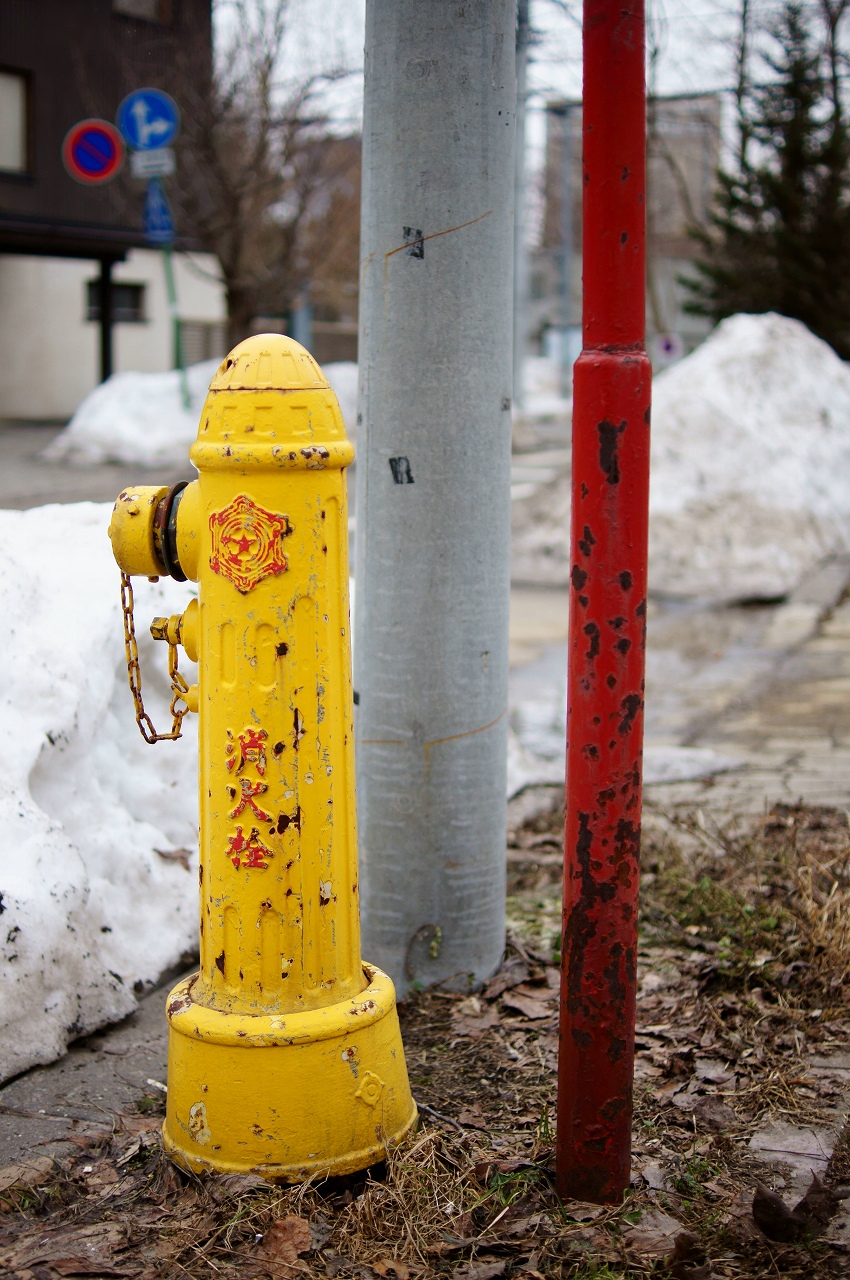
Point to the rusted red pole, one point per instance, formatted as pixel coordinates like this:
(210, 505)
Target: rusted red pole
(607, 619)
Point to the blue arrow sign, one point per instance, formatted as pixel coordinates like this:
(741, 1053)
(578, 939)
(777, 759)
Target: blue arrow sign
(148, 119)
(159, 220)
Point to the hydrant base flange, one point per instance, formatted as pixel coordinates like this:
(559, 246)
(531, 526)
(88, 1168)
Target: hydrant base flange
(286, 1096)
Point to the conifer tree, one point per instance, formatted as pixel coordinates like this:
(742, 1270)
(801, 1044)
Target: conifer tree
(779, 239)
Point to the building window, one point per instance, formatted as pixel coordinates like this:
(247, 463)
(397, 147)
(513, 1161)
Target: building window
(203, 340)
(13, 122)
(128, 302)
(147, 10)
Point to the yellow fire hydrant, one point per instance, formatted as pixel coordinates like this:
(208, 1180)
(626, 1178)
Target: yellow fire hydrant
(285, 1055)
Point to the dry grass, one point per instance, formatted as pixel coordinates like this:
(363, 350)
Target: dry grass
(743, 980)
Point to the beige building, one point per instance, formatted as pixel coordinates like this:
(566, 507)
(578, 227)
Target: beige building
(50, 331)
(683, 149)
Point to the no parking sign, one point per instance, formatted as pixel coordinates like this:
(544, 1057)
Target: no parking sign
(93, 152)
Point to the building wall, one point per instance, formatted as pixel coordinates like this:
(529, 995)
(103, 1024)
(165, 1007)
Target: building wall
(79, 59)
(50, 347)
(683, 153)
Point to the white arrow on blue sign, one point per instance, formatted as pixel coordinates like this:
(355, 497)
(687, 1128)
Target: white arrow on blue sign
(148, 119)
(159, 220)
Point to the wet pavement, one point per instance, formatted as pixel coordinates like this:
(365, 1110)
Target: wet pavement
(27, 481)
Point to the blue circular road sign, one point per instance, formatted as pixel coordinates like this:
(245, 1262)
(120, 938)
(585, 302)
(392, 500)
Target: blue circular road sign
(148, 119)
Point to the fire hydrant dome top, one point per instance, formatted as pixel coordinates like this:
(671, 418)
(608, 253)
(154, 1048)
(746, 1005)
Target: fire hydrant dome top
(268, 362)
(269, 406)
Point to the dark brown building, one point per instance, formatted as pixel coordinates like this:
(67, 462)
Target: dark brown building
(62, 61)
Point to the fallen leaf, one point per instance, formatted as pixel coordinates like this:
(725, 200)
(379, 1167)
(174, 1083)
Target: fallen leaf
(686, 1252)
(530, 1008)
(482, 1170)
(680, 1062)
(27, 1173)
(73, 1251)
(511, 974)
(286, 1238)
(480, 1269)
(470, 1007)
(321, 1230)
(389, 1266)
(580, 1212)
(336, 1262)
(237, 1184)
(473, 1117)
(473, 1025)
(535, 1222)
(544, 992)
(139, 1124)
(820, 1202)
(713, 1071)
(772, 1216)
(653, 1176)
(809, 1217)
(708, 1111)
(93, 1138)
(462, 1225)
(655, 1234)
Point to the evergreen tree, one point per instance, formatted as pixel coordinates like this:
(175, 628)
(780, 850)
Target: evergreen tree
(779, 239)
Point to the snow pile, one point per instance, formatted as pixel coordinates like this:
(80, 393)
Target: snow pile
(537, 733)
(135, 418)
(140, 418)
(542, 387)
(342, 375)
(90, 902)
(750, 454)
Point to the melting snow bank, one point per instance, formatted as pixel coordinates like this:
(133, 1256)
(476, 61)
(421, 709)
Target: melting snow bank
(750, 454)
(660, 764)
(140, 418)
(93, 900)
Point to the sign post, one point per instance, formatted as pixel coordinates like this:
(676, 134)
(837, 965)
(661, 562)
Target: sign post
(149, 120)
(93, 154)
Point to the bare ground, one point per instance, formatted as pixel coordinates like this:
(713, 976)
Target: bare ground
(741, 1094)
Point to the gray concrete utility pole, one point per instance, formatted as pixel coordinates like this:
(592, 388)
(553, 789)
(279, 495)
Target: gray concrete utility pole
(433, 484)
(523, 34)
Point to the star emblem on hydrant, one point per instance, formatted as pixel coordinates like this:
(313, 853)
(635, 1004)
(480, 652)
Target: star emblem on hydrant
(246, 543)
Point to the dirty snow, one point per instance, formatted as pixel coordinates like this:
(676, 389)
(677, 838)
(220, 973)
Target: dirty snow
(139, 418)
(537, 734)
(89, 910)
(750, 454)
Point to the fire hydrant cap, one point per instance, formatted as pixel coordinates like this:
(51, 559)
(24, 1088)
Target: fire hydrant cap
(268, 362)
(270, 408)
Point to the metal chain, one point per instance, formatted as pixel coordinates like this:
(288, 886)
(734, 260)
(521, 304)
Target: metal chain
(179, 687)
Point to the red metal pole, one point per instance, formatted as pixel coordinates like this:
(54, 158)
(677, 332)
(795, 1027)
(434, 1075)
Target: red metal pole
(607, 619)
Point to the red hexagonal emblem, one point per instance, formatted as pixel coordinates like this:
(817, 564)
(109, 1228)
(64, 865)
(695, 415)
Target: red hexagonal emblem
(247, 543)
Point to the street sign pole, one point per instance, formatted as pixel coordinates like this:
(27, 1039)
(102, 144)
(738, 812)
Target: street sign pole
(176, 334)
(150, 120)
(104, 286)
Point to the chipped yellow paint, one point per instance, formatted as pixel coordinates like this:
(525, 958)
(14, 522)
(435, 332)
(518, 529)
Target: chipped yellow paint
(284, 1030)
